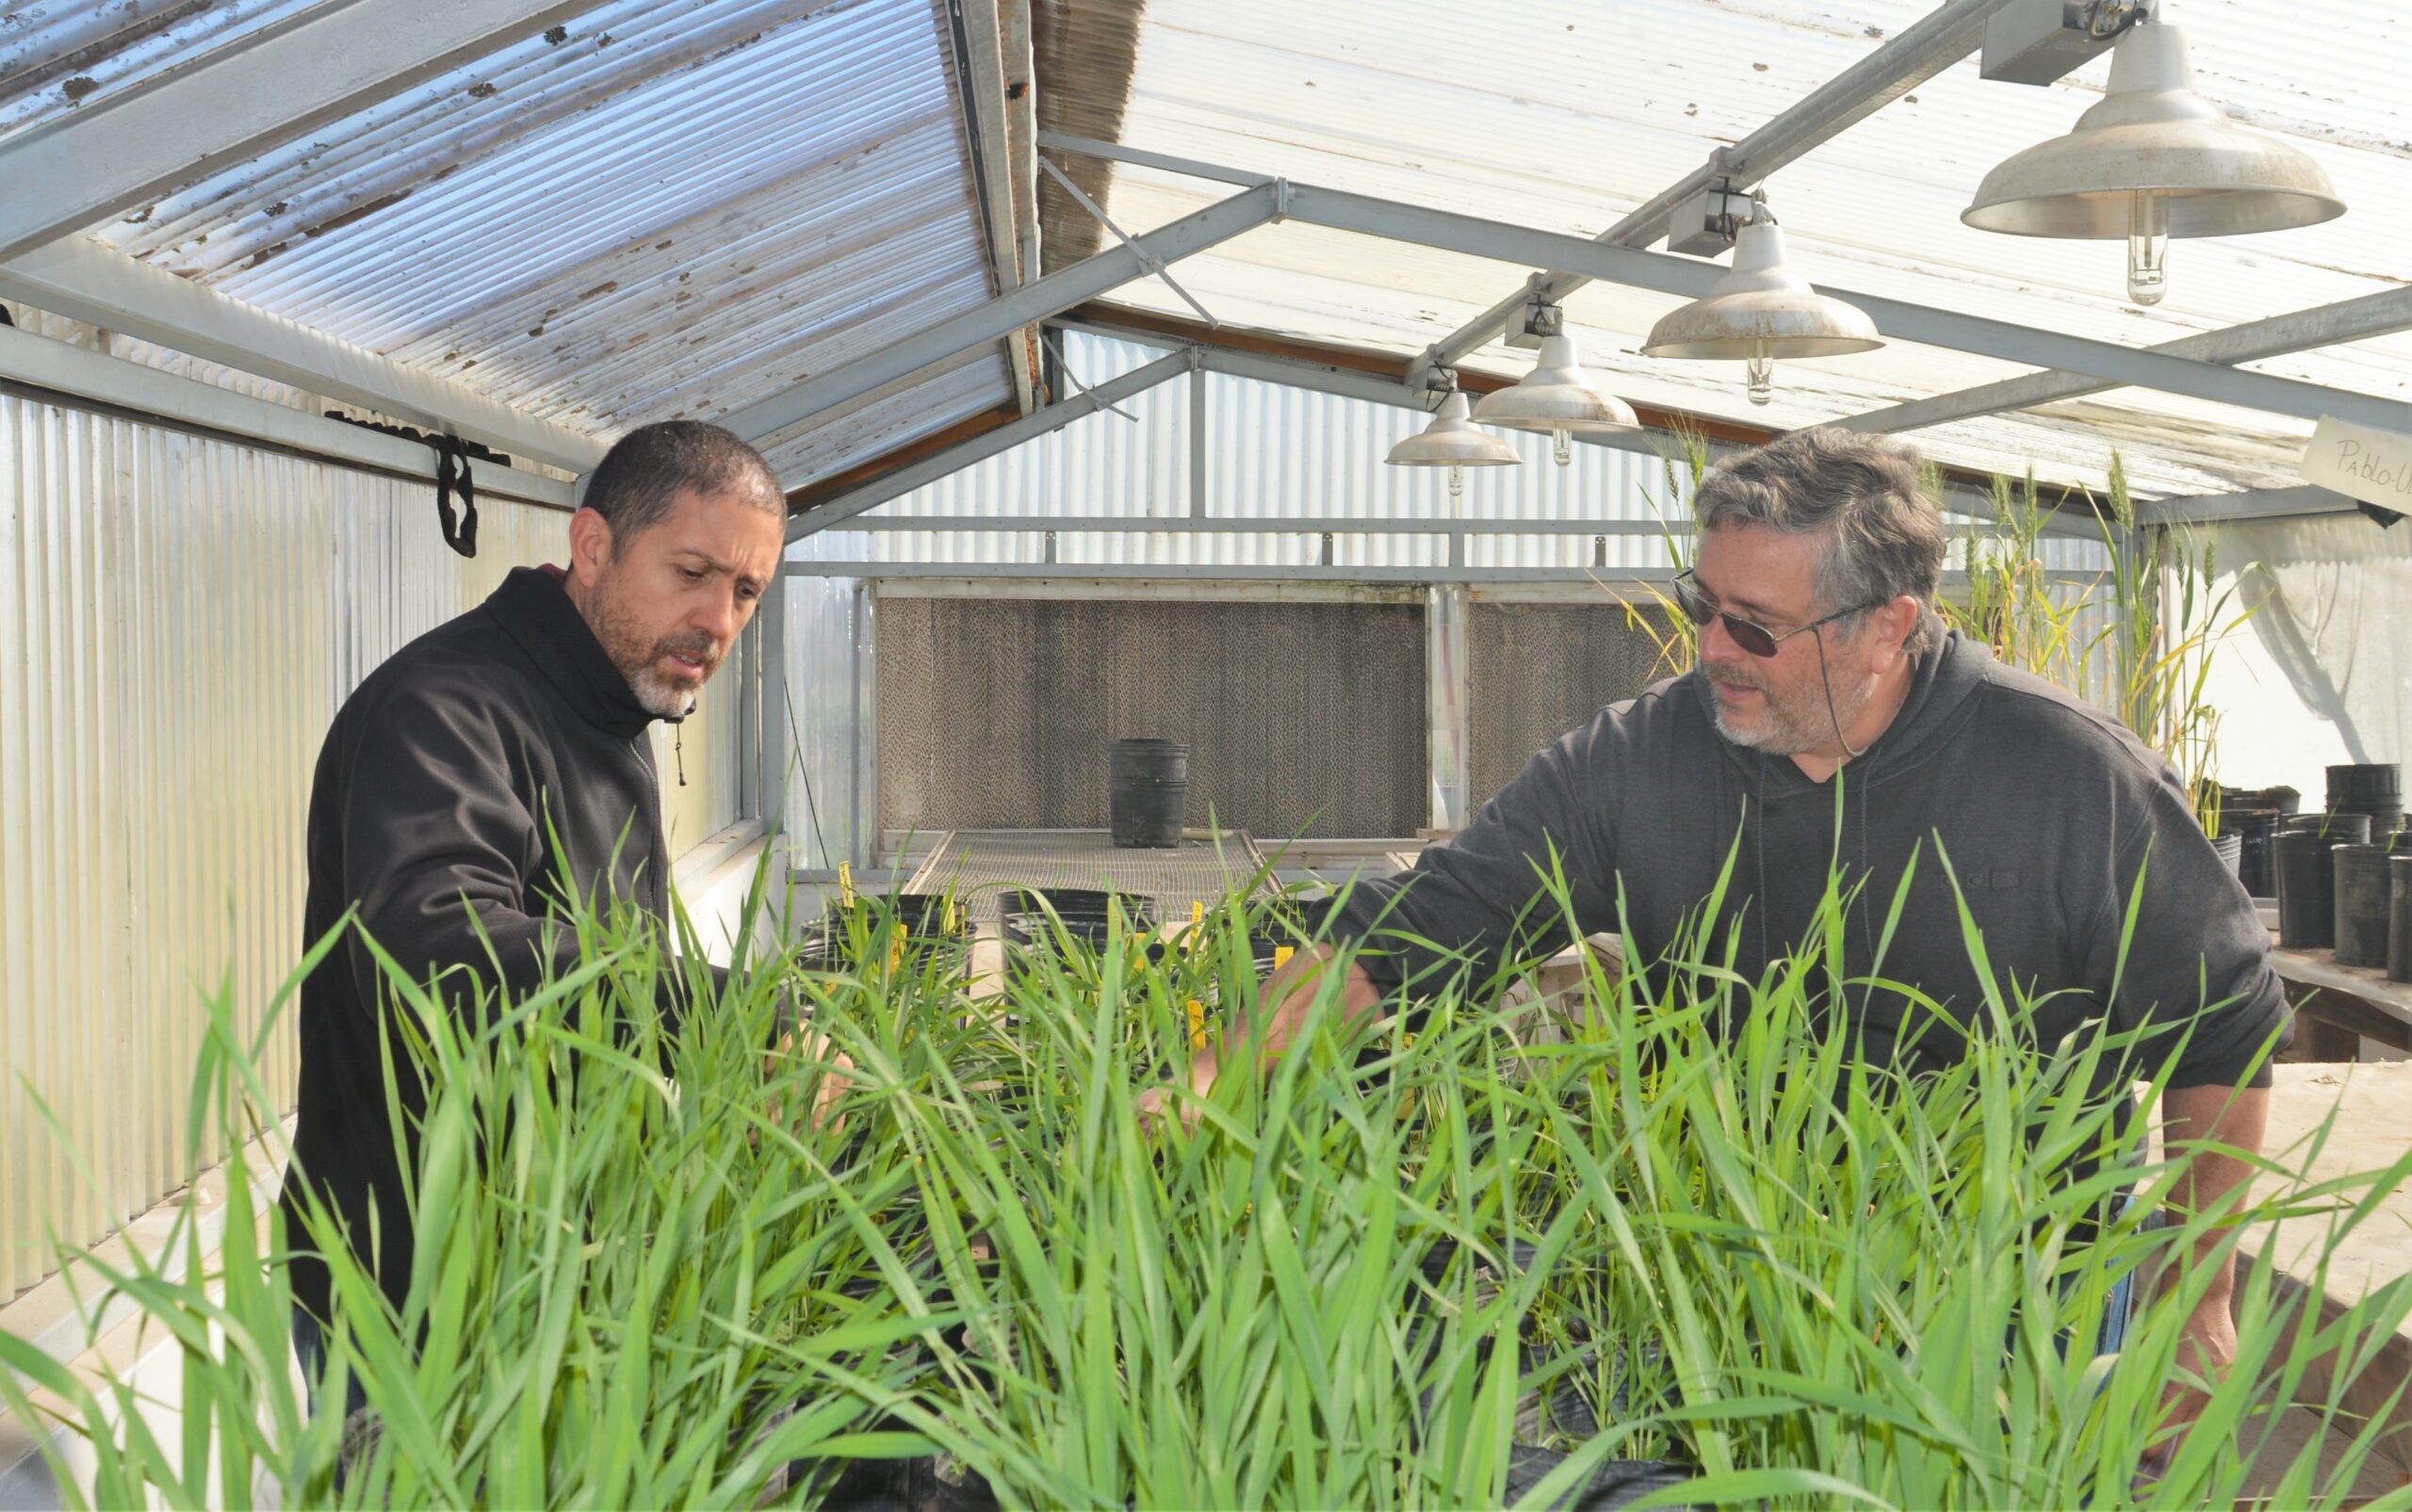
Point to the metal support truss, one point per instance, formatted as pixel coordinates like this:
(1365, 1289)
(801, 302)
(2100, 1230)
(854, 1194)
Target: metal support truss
(2326, 325)
(1316, 377)
(1921, 51)
(2250, 504)
(1447, 231)
(85, 281)
(987, 444)
(56, 373)
(1036, 300)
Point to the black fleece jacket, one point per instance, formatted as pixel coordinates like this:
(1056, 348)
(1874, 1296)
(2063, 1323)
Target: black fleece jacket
(429, 812)
(2046, 809)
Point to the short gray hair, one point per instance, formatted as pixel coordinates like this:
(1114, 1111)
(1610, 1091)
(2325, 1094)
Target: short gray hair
(1883, 538)
(645, 471)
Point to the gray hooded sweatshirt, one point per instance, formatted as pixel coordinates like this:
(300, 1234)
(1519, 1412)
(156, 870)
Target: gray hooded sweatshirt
(2044, 809)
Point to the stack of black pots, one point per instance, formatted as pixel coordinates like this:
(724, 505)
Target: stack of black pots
(2371, 787)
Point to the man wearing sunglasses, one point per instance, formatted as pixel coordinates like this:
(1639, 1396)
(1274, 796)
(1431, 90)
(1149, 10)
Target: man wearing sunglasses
(1833, 724)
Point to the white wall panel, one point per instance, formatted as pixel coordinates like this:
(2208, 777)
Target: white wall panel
(179, 620)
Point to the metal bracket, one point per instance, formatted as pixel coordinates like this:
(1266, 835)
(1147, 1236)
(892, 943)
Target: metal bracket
(1148, 260)
(1706, 224)
(1064, 365)
(2036, 42)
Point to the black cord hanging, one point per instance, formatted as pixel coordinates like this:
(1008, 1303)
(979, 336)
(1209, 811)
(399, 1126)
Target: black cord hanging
(679, 750)
(452, 473)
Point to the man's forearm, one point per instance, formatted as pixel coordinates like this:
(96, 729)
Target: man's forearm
(2231, 1117)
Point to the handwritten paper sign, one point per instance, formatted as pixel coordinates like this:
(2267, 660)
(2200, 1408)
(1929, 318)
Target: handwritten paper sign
(2360, 462)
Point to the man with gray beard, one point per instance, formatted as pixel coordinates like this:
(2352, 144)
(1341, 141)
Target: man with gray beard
(1834, 728)
(490, 774)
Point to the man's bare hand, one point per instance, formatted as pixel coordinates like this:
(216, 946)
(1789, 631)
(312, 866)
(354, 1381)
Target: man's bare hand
(809, 1045)
(1281, 1011)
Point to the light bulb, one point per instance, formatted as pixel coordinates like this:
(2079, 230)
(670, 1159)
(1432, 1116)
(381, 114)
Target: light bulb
(1457, 483)
(1761, 368)
(1562, 445)
(2147, 246)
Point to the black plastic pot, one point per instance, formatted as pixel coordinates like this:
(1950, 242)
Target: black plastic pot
(1088, 914)
(2399, 929)
(2380, 782)
(2365, 900)
(2253, 828)
(2403, 845)
(1148, 790)
(2336, 829)
(2306, 890)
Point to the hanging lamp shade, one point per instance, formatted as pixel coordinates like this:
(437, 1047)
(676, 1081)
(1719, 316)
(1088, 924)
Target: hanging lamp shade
(1762, 310)
(1453, 440)
(2152, 158)
(1557, 395)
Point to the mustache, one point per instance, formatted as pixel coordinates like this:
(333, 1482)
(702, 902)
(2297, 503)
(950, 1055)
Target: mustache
(1730, 676)
(696, 647)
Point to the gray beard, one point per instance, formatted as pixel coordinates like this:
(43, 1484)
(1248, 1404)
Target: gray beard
(659, 696)
(1787, 730)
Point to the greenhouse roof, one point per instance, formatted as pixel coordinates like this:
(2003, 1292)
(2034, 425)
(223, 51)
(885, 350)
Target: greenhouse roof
(584, 217)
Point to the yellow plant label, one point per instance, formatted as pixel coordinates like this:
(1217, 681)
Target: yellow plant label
(845, 886)
(1281, 955)
(1197, 1024)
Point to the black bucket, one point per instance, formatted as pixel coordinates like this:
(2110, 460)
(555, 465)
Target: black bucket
(2365, 901)
(2399, 929)
(2403, 845)
(2336, 829)
(1148, 790)
(2306, 890)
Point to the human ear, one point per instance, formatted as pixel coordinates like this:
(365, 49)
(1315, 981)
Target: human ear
(590, 546)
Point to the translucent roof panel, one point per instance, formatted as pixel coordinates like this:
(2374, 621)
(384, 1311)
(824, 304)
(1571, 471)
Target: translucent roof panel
(1565, 114)
(650, 211)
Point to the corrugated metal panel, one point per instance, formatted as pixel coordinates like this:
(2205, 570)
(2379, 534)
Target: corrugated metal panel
(828, 669)
(189, 613)
(760, 190)
(1275, 451)
(1558, 114)
(66, 56)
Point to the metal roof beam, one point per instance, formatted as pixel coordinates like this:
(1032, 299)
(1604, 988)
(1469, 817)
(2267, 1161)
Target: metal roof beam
(2250, 504)
(1691, 278)
(2372, 315)
(1036, 300)
(963, 454)
(85, 281)
(240, 100)
(54, 371)
(1349, 383)
(1924, 49)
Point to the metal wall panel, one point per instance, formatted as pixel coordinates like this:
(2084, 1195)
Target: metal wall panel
(183, 617)
(829, 798)
(1301, 719)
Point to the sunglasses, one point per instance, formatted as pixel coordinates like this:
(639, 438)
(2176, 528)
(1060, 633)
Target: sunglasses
(1752, 637)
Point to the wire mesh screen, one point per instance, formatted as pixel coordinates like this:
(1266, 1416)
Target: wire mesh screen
(1537, 671)
(1301, 719)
